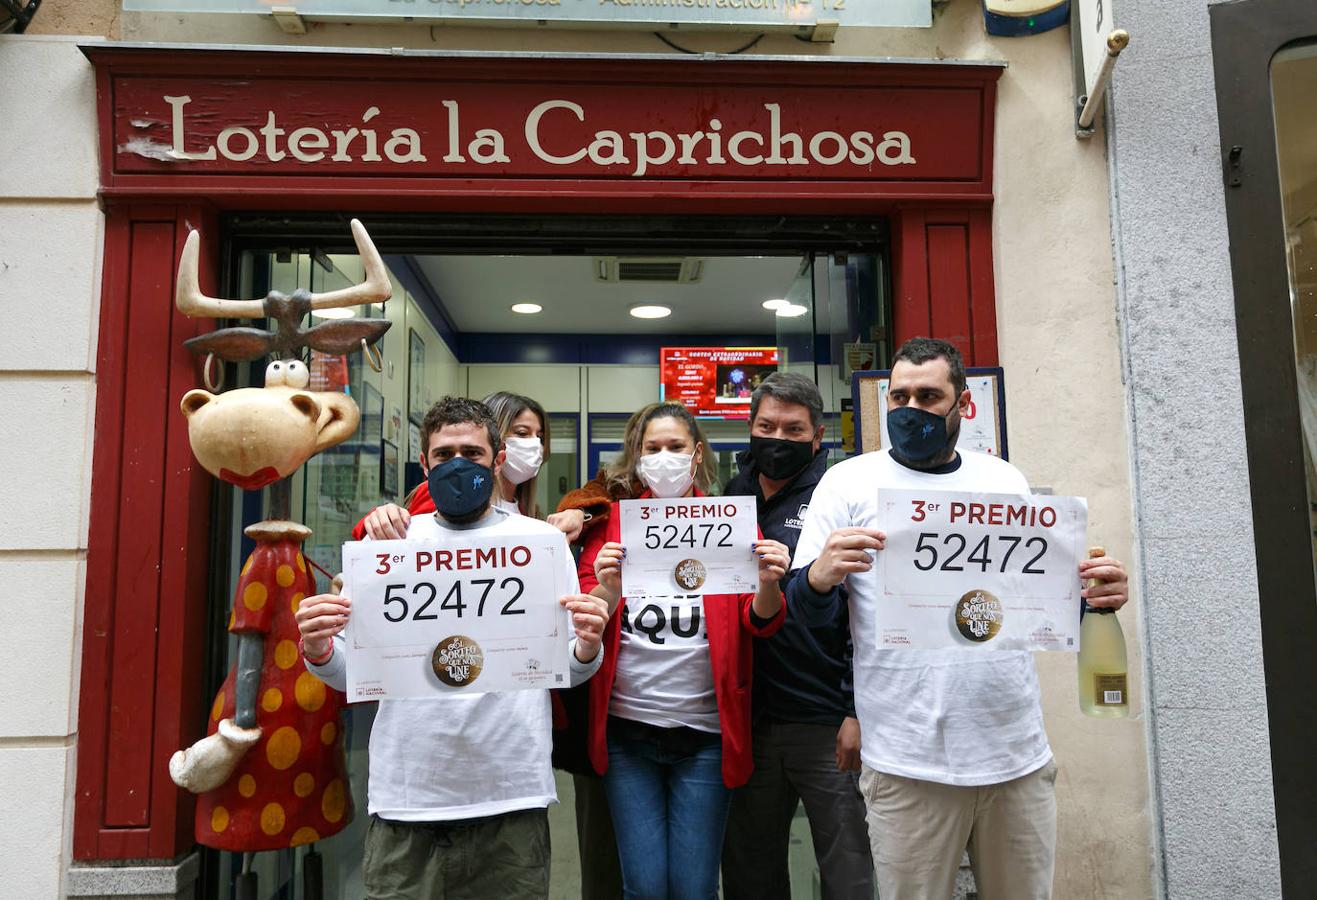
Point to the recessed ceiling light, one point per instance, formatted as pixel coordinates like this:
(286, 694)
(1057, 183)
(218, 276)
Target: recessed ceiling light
(527, 309)
(776, 304)
(341, 312)
(791, 310)
(652, 311)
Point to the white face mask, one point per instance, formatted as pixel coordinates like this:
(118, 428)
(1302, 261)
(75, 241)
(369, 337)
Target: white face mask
(524, 457)
(667, 474)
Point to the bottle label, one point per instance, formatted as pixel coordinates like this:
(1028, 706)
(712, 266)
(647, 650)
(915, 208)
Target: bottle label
(1109, 690)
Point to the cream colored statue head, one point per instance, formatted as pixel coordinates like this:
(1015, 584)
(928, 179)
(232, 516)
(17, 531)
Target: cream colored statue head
(251, 437)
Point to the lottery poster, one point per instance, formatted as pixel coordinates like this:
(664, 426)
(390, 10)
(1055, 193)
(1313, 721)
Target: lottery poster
(989, 571)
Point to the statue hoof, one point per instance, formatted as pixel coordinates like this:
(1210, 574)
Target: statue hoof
(210, 762)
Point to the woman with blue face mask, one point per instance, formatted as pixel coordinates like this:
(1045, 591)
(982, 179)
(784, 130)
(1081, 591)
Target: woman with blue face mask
(670, 707)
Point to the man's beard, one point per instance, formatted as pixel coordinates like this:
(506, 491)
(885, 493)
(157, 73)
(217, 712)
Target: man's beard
(468, 518)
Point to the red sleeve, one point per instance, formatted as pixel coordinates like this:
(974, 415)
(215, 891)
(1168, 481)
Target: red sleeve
(593, 541)
(747, 601)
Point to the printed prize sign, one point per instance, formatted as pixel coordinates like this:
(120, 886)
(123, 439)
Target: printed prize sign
(465, 616)
(691, 545)
(994, 571)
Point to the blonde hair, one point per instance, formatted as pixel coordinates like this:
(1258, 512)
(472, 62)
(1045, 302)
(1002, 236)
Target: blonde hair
(506, 407)
(621, 475)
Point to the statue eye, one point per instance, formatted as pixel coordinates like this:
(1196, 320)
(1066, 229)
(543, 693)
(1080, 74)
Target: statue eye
(296, 374)
(274, 375)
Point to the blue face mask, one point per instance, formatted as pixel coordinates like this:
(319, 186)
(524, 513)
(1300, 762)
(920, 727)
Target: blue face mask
(460, 488)
(917, 435)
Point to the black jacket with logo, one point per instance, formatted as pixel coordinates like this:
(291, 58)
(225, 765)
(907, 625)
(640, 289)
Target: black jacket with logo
(802, 674)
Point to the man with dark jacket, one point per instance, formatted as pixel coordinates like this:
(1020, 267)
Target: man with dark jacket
(806, 738)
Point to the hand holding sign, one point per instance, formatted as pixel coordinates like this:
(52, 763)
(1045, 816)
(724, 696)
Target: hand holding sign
(846, 551)
(689, 545)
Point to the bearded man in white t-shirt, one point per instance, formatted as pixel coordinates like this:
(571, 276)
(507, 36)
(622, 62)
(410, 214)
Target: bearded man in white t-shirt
(954, 755)
(459, 786)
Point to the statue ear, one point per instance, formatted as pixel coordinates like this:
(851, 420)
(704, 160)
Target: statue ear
(193, 400)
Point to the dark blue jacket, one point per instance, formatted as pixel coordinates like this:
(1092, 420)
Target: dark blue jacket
(803, 673)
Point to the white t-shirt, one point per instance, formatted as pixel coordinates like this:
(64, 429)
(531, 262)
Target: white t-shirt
(470, 755)
(964, 717)
(664, 675)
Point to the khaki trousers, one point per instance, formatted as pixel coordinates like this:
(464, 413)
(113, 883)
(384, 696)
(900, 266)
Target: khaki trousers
(504, 857)
(918, 831)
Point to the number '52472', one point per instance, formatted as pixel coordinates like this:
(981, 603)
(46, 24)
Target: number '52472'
(947, 549)
(477, 592)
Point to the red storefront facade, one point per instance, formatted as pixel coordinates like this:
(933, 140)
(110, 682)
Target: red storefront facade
(189, 135)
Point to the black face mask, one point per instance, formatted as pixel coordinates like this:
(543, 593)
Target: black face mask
(461, 489)
(779, 459)
(917, 435)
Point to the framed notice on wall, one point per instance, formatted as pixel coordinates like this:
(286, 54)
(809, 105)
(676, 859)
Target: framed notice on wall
(982, 429)
(415, 376)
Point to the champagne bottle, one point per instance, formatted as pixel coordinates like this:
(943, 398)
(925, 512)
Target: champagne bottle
(1103, 674)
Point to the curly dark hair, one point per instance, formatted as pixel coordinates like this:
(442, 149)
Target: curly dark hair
(457, 411)
(919, 350)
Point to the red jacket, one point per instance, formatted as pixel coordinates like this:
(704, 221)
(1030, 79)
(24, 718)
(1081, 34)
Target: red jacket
(731, 632)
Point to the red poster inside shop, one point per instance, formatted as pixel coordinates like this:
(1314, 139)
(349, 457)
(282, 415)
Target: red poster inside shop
(715, 382)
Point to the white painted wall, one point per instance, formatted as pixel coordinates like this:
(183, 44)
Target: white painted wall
(49, 291)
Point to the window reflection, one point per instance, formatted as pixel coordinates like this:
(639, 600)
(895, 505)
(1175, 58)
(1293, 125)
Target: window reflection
(1294, 84)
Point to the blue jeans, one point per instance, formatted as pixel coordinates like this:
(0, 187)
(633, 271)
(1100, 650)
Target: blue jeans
(669, 805)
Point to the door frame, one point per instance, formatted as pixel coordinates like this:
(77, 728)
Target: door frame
(1246, 36)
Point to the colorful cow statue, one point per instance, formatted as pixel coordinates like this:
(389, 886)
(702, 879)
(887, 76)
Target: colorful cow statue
(270, 774)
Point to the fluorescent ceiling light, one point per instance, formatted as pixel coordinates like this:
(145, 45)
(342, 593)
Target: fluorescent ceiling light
(342, 312)
(652, 311)
(776, 304)
(527, 309)
(791, 310)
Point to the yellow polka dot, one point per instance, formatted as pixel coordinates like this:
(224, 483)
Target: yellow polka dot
(233, 618)
(247, 567)
(285, 654)
(301, 563)
(310, 692)
(272, 700)
(272, 819)
(334, 801)
(218, 709)
(219, 819)
(328, 732)
(303, 836)
(304, 784)
(254, 596)
(247, 786)
(282, 748)
(284, 575)
(297, 600)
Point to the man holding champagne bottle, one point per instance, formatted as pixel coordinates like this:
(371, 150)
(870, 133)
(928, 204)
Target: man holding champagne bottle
(954, 752)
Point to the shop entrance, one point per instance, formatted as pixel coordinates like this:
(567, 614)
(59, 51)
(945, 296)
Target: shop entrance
(592, 317)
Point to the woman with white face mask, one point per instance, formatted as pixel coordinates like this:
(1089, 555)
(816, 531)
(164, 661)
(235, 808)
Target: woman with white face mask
(525, 429)
(669, 709)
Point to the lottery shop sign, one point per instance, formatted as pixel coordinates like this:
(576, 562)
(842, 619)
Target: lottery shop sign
(989, 571)
(469, 616)
(326, 115)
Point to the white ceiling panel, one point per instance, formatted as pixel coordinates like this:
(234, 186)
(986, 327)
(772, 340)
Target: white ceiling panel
(478, 292)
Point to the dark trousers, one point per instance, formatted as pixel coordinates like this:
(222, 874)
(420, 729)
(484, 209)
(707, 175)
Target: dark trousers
(796, 763)
(505, 856)
(601, 873)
